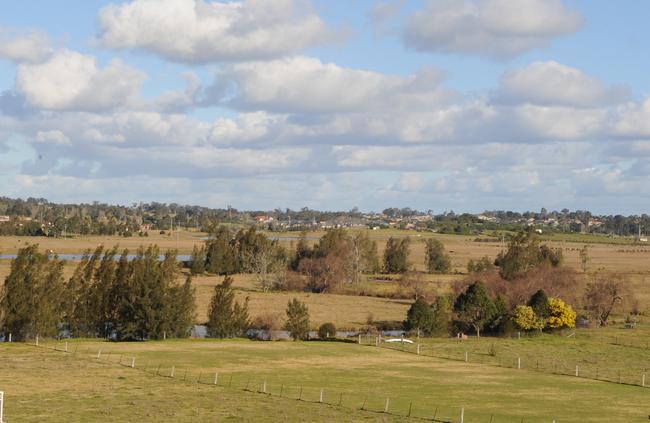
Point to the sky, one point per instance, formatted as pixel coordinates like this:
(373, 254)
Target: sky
(464, 105)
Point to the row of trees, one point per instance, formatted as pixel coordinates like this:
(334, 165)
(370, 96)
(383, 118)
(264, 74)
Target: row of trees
(110, 295)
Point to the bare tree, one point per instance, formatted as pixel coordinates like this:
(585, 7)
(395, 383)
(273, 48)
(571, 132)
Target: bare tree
(265, 263)
(604, 294)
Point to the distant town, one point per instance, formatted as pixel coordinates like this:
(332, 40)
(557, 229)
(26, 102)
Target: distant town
(40, 217)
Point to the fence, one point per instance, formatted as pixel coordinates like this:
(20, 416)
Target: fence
(2, 406)
(520, 361)
(379, 404)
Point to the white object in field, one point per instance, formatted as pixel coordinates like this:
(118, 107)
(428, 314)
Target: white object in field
(408, 341)
(2, 405)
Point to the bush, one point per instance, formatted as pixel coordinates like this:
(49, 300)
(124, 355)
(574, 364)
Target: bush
(327, 331)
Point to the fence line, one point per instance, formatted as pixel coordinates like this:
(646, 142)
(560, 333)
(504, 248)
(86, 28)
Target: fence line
(525, 362)
(323, 396)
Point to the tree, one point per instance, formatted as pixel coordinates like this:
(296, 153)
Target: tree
(540, 305)
(584, 258)
(481, 265)
(327, 331)
(441, 316)
(220, 256)
(604, 294)
(182, 309)
(436, 259)
(226, 317)
(525, 253)
(414, 284)
(561, 315)
(31, 301)
(526, 319)
(297, 320)
(197, 260)
(265, 261)
(363, 257)
(419, 317)
(396, 255)
(474, 308)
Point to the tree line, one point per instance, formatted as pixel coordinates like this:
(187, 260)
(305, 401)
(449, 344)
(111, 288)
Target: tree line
(110, 295)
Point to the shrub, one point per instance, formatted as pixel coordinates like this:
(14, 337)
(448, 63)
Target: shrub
(297, 320)
(327, 331)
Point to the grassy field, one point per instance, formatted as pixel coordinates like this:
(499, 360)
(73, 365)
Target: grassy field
(82, 388)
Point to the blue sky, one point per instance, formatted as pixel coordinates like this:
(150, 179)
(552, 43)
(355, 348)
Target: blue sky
(434, 104)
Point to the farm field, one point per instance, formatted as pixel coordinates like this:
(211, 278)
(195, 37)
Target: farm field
(81, 387)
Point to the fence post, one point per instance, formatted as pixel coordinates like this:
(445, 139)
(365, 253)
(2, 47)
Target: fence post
(172, 373)
(359, 339)
(133, 363)
(300, 394)
(386, 405)
(466, 357)
(99, 354)
(577, 371)
(2, 405)
(410, 408)
(216, 378)
(264, 387)
(376, 341)
(9, 336)
(643, 381)
(320, 399)
(37, 340)
(518, 363)
(462, 415)
(418, 349)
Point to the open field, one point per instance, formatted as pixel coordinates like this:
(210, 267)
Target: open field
(82, 388)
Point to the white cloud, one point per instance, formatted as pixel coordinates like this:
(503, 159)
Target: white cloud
(304, 84)
(73, 81)
(197, 31)
(494, 28)
(54, 136)
(24, 46)
(551, 83)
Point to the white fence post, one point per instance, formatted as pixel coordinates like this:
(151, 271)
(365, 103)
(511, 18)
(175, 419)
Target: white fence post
(321, 395)
(216, 378)
(418, 349)
(386, 405)
(466, 357)
(2, 405)
(518, 363)
(577, 371)
(462, 415)
(37, 340)
(9, 337)
(133, 363)
(643, 381)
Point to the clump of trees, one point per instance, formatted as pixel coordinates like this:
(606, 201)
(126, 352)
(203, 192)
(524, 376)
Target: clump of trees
(429, 318)
(396, 255)
(525, 252)
(543, 312)
(31, 298)
(436, 259)
(106, 296)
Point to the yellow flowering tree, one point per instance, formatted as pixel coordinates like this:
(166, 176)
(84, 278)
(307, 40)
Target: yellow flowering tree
(561, 315)
(526, 319)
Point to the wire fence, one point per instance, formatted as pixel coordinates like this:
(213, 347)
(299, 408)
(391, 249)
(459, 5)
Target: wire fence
(523, 361)
(398, 407)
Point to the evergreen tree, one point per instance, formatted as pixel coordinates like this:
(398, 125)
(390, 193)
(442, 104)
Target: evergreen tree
(396, 255)
(474, 308)
(182, 304)
(31, 302)
(441, 316)
(226, 317)
(297, 320)
(436, 259)
(220, 254)
(197, 260)
(540, 304)
(419, 317)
